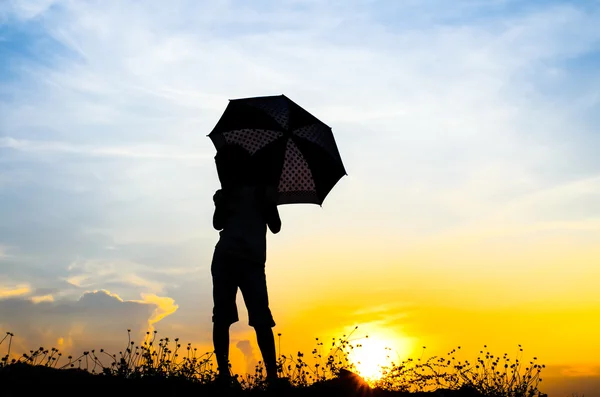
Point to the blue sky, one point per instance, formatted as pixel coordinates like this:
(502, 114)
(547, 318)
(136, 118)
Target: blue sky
(453, 119)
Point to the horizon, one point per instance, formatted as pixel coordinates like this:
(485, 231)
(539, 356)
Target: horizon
(470, 214)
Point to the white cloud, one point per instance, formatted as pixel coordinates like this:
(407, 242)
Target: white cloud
(450, 116)
(155, 152)
(26, 9)
(119, 275)
(575, 200)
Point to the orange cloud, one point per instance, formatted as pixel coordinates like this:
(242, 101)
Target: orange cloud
(42, 298)
(164, 307)
(11, 292)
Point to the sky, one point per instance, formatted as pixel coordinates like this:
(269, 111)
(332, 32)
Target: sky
(469, 129)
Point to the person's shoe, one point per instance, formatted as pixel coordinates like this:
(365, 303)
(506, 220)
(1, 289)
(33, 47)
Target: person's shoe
(278, 384)
(227, 383)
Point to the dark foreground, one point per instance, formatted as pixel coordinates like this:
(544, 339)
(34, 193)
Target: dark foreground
(26, 380)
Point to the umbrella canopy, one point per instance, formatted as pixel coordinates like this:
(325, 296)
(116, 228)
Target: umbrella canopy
(289, 147)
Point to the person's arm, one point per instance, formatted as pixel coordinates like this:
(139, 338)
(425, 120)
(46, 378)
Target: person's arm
(273, 219)
(220, 209)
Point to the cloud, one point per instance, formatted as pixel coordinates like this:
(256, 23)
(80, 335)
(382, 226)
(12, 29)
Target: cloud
(399, 89)
(249, 359)
(99, 274)
(573, 201)
(9, 292)
(571, 380)
(42, 298)
(156, 152)
(164, 307)
(24, 291)
(93, 321)
(26, 9)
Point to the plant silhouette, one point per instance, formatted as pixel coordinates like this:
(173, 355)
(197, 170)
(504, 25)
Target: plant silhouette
(164, 365)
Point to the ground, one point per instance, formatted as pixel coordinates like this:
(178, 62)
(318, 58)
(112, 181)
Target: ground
(25, 380)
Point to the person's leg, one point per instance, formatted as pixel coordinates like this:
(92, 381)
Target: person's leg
(224, 310)
(253, 285)
(221, 344)
(266, 343)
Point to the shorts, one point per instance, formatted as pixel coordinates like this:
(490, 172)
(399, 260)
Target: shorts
(229, 273)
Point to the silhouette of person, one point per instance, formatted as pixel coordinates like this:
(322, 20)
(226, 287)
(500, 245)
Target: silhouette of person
(244, 208)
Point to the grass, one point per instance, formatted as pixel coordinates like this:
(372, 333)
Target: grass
(165, 359)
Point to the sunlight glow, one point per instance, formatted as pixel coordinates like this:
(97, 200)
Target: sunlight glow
(369, 356)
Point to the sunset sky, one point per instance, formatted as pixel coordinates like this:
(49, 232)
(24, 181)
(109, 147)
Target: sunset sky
(469, 129)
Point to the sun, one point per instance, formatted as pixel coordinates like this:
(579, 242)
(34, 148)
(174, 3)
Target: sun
(369, 356)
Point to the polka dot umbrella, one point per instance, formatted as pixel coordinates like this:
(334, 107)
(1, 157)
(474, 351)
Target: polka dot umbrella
(290, 148)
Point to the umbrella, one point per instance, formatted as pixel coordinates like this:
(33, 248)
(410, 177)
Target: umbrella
(289, 147)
